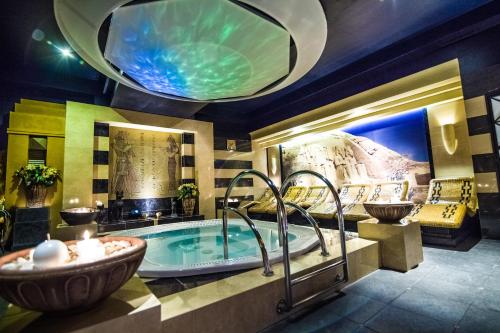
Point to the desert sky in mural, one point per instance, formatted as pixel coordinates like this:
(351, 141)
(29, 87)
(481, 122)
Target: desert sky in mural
(393, 148)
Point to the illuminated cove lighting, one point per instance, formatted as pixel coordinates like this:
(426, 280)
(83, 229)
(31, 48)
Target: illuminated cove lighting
(203, 50)
(147, 127)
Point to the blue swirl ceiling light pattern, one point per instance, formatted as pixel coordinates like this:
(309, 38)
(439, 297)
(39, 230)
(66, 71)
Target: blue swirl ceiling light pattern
(202, 50)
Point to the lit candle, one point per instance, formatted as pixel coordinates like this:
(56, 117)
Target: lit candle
(51, 253)
(89, 249)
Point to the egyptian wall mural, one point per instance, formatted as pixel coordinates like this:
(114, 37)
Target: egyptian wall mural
(143, 164)
(393, 148)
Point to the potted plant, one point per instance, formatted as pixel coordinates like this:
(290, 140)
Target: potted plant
(187, 193)
(35, 179)
(5, 225)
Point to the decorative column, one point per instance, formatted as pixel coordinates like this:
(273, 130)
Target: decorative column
(100, 188)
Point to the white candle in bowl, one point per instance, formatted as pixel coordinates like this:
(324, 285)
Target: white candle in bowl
(89, 249)
(51, 253)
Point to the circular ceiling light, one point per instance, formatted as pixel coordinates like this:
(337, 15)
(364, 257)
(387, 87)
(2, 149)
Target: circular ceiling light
(230, 54)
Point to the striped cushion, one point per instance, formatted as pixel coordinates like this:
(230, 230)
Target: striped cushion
(453, 190)
(263, 203)
(386, 191)
(293, 194)
(439, 215)
(314, 195)
(350, 194)
(324, 210)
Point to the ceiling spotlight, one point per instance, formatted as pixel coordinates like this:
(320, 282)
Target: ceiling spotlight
(66, 52)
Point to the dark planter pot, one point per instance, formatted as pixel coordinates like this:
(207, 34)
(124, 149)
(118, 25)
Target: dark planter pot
(188, 204)
(78, 216)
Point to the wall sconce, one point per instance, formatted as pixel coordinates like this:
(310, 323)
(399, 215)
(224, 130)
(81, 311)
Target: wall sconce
(274, 165)
(231, 145)
(449, 139)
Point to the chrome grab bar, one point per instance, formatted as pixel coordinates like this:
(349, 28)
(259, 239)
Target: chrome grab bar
(281, 215)
(314, 224)
(265, 258)
(287, 303)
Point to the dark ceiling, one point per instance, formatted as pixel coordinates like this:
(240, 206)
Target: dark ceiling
(362, 35)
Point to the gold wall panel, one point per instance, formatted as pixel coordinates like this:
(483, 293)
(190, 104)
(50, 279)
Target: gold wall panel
(448, 165)
(79, 148)
(475, 107)
(143, 164)
(35, 118)
(486, 182)
(481, 144)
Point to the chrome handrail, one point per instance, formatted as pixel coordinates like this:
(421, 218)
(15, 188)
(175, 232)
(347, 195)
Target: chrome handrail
(265, 258)
(281, 216)
(287, 303)
(314, 224)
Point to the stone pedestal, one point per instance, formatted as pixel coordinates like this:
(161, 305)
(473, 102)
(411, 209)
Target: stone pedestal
(133, 308)
(400, 244)
(66, 232)
(31, 226)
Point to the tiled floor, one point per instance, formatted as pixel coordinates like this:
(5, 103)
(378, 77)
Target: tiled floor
(450, 292)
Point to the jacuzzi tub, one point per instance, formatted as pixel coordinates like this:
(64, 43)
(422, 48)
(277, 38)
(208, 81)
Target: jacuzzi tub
(194, 248)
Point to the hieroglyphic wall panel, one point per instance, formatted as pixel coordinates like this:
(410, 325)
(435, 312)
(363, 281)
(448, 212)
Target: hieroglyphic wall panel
(143, 164)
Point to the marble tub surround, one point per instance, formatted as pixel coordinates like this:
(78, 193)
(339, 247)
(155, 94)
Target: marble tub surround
(191, 310)
(168, 286)
(211, 307)
(133, 308)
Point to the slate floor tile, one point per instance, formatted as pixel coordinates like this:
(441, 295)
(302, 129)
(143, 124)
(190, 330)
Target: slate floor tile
(312, 322)
(355, 307)
(454, 274)
(452, 291)
(488, 299)
(379, 289)
(492, 282)
(364, 329)
(478, 320)
(395, 320)
(440, 308)
(342, 326)
(411, 276)
(472, 263)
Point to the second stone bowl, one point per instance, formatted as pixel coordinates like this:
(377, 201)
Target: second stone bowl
(388, 212)
(78, 216)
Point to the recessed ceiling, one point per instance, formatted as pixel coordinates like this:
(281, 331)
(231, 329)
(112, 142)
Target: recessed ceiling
(203, 50)
(195, 35)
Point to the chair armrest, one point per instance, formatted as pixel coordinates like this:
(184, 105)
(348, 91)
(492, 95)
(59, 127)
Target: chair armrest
(247, 204)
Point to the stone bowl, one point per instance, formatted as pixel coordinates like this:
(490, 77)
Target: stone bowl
(78, 216)
(388, 212)
(70, 289)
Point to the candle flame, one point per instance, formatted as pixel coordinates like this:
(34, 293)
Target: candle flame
(86, 235)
